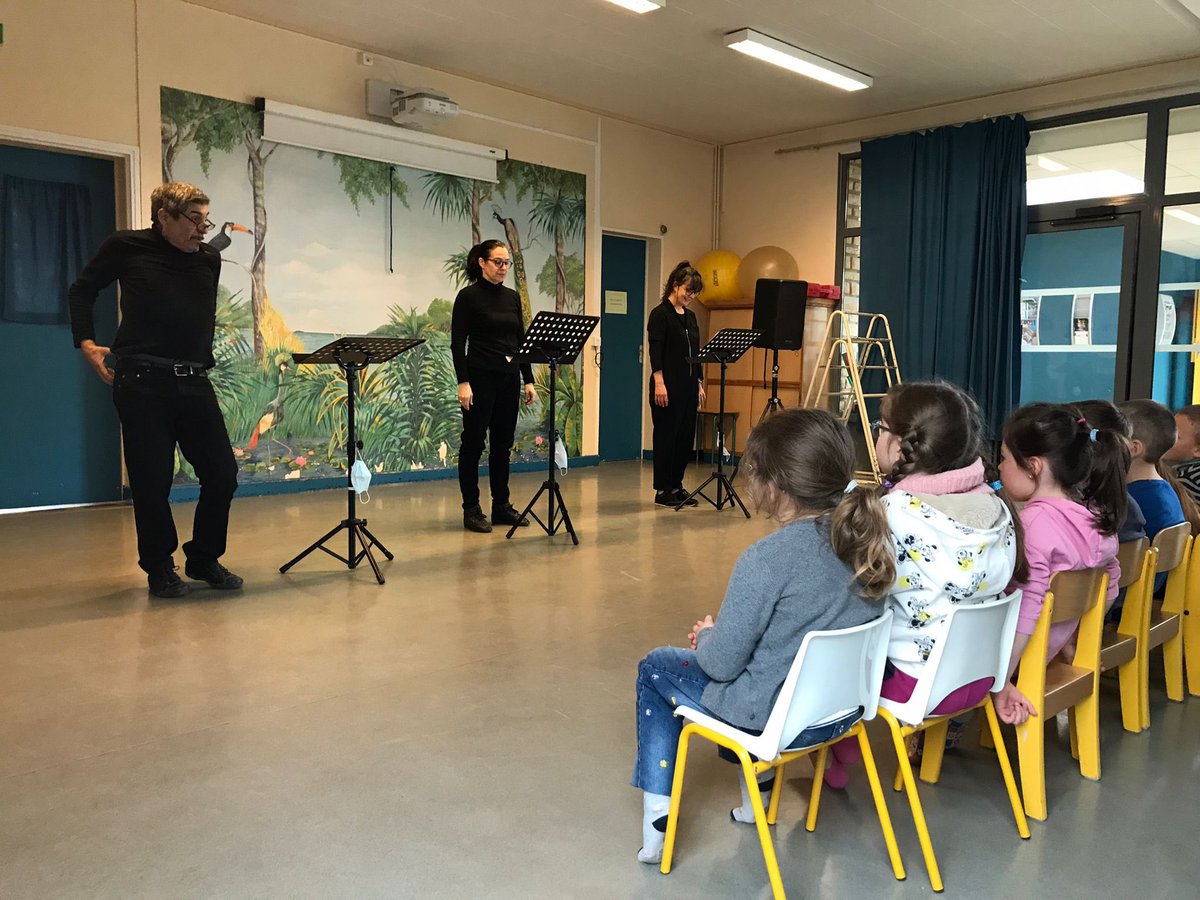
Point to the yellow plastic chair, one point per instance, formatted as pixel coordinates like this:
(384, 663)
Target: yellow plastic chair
(1174, 546)
(834, 673)
(1054, 685)
(1191, 622)
(1123, 645)
(977, 645)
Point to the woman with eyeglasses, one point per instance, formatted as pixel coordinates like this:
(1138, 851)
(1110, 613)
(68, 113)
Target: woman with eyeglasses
(676, 385)
(486, 330)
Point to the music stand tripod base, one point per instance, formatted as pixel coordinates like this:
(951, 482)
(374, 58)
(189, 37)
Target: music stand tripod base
(555, 339)
(352, 355)
(726, 346)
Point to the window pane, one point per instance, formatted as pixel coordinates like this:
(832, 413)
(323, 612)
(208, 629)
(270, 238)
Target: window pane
(1177, 342)
(853, 210)
(1091, 161)
(1183, 151)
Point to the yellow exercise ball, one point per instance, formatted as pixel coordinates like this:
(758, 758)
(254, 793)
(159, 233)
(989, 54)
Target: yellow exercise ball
(765, 262)
(719, 270)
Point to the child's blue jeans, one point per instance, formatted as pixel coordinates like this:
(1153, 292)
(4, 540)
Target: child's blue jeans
(667, 677)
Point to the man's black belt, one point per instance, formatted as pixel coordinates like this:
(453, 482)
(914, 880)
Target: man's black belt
(179, 367)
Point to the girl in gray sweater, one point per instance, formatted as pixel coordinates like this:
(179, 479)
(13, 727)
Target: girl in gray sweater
(829, 565)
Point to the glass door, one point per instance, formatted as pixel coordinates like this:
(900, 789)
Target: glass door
(1077, 287)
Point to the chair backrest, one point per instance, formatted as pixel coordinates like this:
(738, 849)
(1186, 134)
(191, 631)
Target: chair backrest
(1171, 544)
(977, 644)
(834, 671)
(1130, 555)
(1075, 592)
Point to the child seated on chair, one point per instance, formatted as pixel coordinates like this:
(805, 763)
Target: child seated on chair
(1160, 497)
(1071, 478)
(827, 566)
(1184, 457)
(956, 542)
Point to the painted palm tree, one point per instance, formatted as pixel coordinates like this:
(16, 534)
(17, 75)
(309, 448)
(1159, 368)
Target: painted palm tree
(455, 197)
(559, 213)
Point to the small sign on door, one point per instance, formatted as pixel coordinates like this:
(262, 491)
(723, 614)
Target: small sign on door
(616, 302)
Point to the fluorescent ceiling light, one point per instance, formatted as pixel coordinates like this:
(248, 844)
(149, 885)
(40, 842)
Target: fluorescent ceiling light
(640, 6)
(760, 46)
(333, 133)
(1081, 186)
(1050, 165)
(1184, 215)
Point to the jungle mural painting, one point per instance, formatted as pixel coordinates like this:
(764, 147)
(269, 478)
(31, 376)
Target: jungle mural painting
(325, 245)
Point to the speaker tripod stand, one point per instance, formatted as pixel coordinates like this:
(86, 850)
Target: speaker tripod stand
(774, 404)
(726, 346)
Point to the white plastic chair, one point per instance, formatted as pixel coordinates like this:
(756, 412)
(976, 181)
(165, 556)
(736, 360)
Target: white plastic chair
(834, 672)
(977, 645)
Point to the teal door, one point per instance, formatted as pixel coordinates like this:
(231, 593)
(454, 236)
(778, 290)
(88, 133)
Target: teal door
(62, 442)
(622, 335)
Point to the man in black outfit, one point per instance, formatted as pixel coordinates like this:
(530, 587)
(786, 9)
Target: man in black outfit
(158, 367)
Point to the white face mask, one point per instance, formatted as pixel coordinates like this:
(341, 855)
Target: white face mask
(560, 455)
(360, 480)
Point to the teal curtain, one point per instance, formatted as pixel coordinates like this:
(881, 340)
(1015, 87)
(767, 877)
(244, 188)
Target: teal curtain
(44, 241)
(943, 230)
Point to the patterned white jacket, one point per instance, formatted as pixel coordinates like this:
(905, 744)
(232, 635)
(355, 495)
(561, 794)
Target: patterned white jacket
(941, 562)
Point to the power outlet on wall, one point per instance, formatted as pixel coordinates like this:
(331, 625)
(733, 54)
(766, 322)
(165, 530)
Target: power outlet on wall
(366, 59)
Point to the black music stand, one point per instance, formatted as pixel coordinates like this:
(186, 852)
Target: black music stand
(554, 339)
(726, 346)
(353, 355)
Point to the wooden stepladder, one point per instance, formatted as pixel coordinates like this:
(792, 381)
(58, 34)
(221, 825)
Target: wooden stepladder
(854, 343)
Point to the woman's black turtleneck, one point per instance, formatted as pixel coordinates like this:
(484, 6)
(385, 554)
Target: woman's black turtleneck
(486, 330)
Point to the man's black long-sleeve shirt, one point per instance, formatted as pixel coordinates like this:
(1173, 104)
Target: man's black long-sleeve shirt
(168, 297)
(486, 330)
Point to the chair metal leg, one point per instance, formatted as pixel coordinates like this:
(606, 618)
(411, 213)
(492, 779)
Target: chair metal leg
(914, 801)
(1031, 753)
(1191, 647)
(1073, 731)
(814, 800)
(760, 822)
(935, 749)
(1144, 682)
(773, 811)
(1010, 783)
(676, 797)
(885, 820)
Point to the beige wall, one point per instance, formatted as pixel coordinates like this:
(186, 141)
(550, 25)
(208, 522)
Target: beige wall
(91, 69)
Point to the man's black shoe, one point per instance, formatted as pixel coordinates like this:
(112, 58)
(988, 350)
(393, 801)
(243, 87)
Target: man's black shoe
(475, 520)
(215, 574)
(665, 498)
(166, 584)
(681, 496)
(508, 515)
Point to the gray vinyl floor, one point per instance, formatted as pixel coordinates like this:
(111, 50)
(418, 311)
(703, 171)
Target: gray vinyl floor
(466, 730)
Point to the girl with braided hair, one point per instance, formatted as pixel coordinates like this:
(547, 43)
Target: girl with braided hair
(956, 541)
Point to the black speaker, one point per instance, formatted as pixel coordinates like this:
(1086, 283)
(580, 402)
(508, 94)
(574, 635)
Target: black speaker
(779, 307)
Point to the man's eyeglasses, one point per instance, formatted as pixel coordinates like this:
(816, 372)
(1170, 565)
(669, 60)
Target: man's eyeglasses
(500, 262)
(878, 426)
(202, 224)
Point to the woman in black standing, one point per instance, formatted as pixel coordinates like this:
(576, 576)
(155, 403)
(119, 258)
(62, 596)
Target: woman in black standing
(486, 331)
(676, 386)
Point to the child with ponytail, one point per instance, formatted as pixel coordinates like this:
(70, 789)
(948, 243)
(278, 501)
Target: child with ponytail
(1071, 478)
(828, 565)
(956, 541)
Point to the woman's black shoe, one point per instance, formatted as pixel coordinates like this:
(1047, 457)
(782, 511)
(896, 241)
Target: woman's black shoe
(508, 515)
(681, 496)
(475, 520)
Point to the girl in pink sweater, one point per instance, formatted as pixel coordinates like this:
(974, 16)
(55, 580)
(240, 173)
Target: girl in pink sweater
(1071, 478)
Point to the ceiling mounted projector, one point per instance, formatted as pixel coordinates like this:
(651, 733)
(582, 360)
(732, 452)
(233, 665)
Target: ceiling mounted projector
(422, 109)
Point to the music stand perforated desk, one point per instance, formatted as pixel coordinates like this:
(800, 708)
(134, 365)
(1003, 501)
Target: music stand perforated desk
(353, 354)
(726, 346)
(555, 339)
